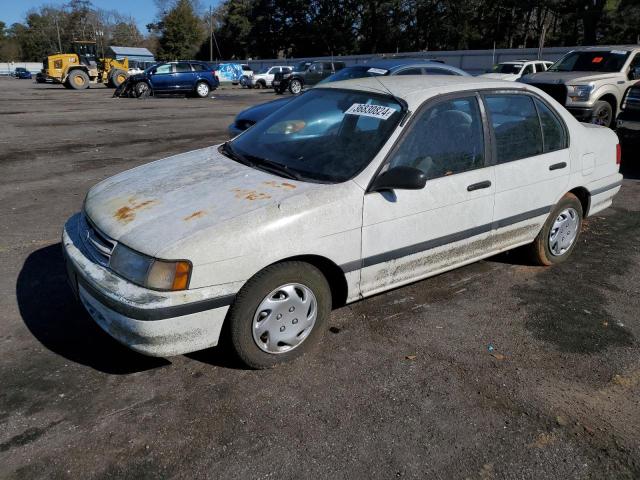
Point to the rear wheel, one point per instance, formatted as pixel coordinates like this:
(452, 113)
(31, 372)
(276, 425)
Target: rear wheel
(202, 89)
(602, 114)
(560, 233)
(280, 314)
(78, 80)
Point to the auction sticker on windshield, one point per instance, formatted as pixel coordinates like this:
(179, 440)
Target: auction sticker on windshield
(375, 111)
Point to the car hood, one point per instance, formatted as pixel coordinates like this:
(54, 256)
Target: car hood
(163, 203)
(500, 76)
(258, 112)
(569, 77)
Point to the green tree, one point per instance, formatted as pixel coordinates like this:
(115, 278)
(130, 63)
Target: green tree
(181, 32)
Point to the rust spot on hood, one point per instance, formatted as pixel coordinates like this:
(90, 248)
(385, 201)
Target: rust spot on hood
(127, 213)
(250, 194)
(194, 215)
(285, 185)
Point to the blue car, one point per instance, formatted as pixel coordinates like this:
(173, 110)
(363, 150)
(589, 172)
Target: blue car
(186, 77)
(22, 73)
(404, 66)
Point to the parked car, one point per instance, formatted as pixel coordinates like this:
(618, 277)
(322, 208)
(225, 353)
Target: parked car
(628, 124)
(514, 70)
(351, 189)
(590, 82)
(192, 77)
(406, 66)
(305, 74)
(264, 78)
(21, 73)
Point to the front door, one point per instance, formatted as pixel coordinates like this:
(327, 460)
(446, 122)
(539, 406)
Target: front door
(411, 234)
(162, 77)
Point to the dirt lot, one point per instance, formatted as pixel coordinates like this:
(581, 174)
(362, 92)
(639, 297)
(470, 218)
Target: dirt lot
(403, 386)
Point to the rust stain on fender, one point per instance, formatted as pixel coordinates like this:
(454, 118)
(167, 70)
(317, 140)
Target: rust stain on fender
(250, 194)
(127, 213)
(194, 215)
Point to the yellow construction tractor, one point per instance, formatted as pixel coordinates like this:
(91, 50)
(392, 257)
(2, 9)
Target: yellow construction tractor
(82, 67)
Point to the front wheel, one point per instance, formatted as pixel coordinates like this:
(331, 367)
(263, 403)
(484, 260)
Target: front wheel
(142, 89)
(295, 86)
(202, 89)
(560, 232)
(78, 80)
(280, 314)
(602, 114)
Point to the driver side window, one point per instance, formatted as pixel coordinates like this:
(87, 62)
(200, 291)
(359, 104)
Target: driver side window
(163, 69)
(445, 139)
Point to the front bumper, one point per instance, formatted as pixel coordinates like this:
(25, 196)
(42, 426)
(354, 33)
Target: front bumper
(583, 114)
(154, 323)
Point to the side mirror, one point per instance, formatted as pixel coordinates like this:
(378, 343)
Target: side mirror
(400, 178)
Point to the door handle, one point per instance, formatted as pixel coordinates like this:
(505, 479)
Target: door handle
(558, 166)
(478, 186)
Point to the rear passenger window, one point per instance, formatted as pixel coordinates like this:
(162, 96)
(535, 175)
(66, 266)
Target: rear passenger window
(437, 71)
(198, 67)
(553, 134)
(183, 67)
(410, 71)
(445, 139)
(515, 126)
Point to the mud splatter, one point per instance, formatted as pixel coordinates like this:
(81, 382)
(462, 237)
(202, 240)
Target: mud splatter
(250, 194)
(194, 215)
(127, 213)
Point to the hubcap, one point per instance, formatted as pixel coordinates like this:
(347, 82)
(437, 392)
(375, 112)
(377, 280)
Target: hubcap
(285, 318)
(296, 87)
(78, 80)
(564, 231)
(602, 117)
(202, 90)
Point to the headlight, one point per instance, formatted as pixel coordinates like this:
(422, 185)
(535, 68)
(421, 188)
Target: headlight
(149, 272)
(579, 92)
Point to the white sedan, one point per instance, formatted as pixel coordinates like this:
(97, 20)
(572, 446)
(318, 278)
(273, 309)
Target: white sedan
(351, 189)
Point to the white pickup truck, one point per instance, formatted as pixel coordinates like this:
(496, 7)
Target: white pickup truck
(591, 82)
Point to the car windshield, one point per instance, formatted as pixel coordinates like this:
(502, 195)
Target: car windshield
(325, 135)
(507, 68)
(596, 61)
(359, 71)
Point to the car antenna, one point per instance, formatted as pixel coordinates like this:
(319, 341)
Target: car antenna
(397, 99)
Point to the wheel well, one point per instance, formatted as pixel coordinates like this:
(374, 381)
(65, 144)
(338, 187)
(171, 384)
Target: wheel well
(332, 272)
(585, 199)
(262, 82)
(611, 100)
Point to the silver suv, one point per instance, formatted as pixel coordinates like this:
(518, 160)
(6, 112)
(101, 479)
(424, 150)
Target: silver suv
(591, 82)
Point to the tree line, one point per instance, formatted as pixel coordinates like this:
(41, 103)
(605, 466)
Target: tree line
(245, 29)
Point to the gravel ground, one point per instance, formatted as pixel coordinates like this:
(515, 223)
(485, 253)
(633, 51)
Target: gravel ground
(403, 385)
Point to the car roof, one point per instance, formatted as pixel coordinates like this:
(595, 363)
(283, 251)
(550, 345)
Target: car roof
(397, 62)
(603, 48)
(415, 89)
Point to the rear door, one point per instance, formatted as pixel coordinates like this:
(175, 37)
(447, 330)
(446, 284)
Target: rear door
(411, 234)
(530, 143)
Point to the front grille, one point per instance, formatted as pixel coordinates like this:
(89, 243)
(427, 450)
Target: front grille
(557, 92)
(98, 245)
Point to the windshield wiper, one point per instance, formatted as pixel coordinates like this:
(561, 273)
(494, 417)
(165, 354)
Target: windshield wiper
(274, 167)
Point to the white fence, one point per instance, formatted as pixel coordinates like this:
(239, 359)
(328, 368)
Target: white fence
(7, 68)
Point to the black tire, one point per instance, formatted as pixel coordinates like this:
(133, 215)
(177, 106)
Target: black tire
(202, 90)
(295, 86)
(257, 85)
(142, 90)
(240, 317)
(78, 80)
(602, 114)
(540, 250)
(117, 77)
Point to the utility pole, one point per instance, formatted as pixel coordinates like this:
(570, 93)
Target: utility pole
(58, 31)
(210, 33)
